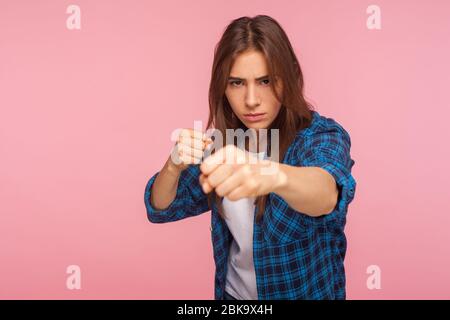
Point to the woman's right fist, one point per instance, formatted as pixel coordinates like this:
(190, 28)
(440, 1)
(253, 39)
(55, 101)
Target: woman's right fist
(189, 148)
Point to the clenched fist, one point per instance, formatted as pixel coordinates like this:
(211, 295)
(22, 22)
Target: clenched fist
(236, 174)
(189, 148)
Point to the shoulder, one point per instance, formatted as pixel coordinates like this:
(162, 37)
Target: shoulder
(323, 132)
(321, 125)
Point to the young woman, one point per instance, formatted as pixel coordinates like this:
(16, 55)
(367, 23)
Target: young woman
(279, 235)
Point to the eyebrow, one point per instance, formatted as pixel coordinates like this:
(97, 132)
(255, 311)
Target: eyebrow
(237, 78)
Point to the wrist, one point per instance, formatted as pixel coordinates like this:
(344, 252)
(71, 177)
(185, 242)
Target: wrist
(172, 168)
(280, 179)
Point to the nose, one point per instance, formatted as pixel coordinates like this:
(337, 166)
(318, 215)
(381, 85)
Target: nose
(252, 98)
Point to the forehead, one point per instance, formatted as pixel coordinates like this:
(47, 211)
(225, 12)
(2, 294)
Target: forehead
(249, 65)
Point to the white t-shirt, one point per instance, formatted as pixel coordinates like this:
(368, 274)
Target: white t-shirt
(241, 277)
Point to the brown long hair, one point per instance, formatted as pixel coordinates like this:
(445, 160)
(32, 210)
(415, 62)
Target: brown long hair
(261, 33)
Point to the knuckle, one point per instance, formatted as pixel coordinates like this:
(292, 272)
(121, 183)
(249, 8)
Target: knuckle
(219, 192)
(251, 183)
(211, 181)
(246, 170)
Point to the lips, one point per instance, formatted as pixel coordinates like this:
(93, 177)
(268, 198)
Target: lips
(254, 117)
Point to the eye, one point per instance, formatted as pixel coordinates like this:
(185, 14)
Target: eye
(235, 83)
(268, 81)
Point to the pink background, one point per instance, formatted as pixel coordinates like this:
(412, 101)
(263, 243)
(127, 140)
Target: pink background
(86, 117)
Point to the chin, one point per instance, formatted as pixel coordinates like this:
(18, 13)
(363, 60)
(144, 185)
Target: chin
(256, 126)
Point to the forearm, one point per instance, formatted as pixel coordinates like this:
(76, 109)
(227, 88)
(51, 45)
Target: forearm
(310, 190)
(164, 189)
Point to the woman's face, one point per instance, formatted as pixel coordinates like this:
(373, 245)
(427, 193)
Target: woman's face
(249, 93)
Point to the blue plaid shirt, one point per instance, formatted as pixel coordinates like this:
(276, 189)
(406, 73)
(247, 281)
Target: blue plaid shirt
(295, 256)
